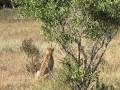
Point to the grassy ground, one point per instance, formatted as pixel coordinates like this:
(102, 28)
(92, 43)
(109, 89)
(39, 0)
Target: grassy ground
(12, 60)
(13, 31)
(111, 71)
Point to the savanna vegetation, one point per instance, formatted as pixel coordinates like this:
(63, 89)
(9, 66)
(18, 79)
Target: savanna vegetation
(86, 31)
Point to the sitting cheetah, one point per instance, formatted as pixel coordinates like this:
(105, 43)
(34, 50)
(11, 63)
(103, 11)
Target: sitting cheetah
(47, 64)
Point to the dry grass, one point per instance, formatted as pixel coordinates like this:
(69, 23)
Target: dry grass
(12, 72)
(13, 75)
(111, 70)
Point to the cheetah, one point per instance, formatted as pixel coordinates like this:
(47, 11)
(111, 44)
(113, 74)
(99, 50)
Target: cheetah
(47, 64)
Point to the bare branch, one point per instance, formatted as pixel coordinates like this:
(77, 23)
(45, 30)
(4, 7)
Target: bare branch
(85, 57)
(79, 50)
(68, 52)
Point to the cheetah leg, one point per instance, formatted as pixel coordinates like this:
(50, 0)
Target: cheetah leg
(37, 75)
(50, 72)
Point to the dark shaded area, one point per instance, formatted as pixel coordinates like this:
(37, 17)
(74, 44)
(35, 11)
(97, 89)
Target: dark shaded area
(106, 17)
(5, 4)
(8, 4)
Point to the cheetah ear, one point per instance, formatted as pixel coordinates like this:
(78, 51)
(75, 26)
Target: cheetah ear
(51, 46)
(52, 49)
(30, 39)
